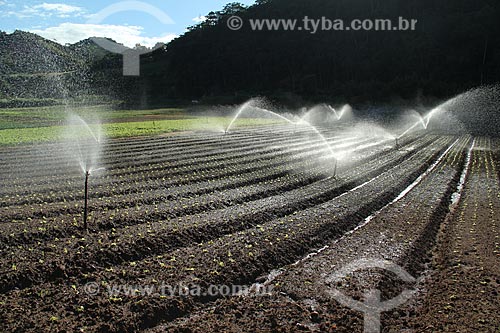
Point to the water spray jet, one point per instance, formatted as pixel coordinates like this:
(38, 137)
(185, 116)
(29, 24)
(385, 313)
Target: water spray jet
(337, 115)
(300, 121)
(424, 121)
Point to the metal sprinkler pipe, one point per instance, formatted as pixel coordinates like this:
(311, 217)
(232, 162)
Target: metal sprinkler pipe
(335, 169)
(85, 209)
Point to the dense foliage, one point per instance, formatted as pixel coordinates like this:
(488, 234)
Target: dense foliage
(454, 48)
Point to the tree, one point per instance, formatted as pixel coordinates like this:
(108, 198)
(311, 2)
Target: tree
(232, 9)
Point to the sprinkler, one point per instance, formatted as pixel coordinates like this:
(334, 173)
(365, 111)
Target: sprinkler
(397, 143)
(335, 169)
(86, 195)
(85, 146)
(85, 209)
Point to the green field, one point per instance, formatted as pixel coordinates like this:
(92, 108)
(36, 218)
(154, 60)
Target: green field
(31, 125)
(56, 115)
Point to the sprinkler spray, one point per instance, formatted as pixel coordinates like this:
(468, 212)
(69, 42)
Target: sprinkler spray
(85, 209)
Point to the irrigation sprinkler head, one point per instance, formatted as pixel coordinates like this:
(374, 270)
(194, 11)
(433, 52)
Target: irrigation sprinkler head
(397, 146)
(334, 176)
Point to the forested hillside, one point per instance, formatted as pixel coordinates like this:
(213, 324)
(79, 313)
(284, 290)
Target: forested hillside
(456, 46)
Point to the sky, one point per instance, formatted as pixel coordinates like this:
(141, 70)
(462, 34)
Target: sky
(144, 22)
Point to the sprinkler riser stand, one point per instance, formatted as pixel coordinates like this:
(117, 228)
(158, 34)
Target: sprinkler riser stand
(85, 209)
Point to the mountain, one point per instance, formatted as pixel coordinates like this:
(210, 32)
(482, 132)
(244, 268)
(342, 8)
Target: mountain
(37, 71)
(26, 53)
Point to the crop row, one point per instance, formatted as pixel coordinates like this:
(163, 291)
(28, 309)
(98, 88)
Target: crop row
(132, 210)
(167, 176)
(147, 142)
(168, 159)
(119, 211)
(119, 161)
(184, 200)
(44, 211)
(117, 147)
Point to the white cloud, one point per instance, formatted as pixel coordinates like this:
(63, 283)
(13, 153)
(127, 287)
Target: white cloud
(199, 19)
(59, 8)
(126, 35)
(46, 10)
(19, 14)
